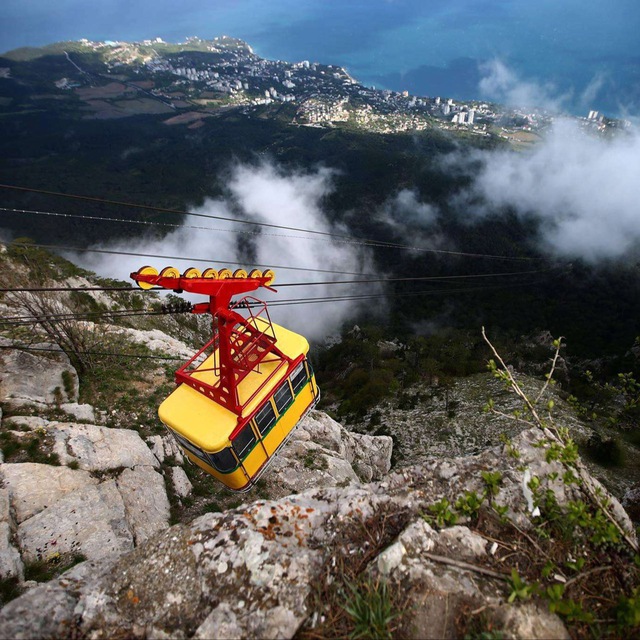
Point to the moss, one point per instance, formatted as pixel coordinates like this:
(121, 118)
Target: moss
(56, 564)
(68, 383)
(34, 446)
(9, 589)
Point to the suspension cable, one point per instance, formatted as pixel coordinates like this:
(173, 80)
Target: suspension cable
(328, 234)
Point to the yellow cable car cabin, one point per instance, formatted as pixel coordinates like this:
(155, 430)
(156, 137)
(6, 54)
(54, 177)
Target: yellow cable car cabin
(240, 397)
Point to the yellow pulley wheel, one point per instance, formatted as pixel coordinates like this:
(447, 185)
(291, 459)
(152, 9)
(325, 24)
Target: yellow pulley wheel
(270, 275)
(192, 272)
(147, 271)
(169, 272)
(210, 273)
(255, 273)
(224, 274)
(239, 273)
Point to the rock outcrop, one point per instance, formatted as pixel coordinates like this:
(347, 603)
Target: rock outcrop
(322, 453)
(110, 492)
(260, 570)
(57, 510)
(33, 379)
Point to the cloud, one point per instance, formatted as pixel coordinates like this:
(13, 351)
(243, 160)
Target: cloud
(501, 84)
(263, 193)
(414, 222)
(583, 189)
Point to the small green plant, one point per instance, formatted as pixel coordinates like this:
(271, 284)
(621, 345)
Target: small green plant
(314, 461)
(441, 514)
(628, 610)
(519, 589)
(370, 607)
(492, 482)
(469, 504)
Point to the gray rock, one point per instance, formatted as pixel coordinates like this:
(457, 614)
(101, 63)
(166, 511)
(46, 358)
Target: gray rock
(303, 464)
(30, 422)
(181, 484)
(145, 501)
(157, 448)
(249, 572)
(90, 521)
(33, 378)
(98, 448)
(165, 446)
(530, 622)
(322, 453)
(10, 561)
(82, 412)
(58, 599)
(34, 487)
(631, 501)
(370, 456)
(221, 623)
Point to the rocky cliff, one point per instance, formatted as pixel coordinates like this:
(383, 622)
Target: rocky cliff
(513, 540)
(277, 568)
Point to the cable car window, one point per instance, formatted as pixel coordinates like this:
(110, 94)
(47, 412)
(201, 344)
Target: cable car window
(243, 442)
(196, 451)
(283, 397)
(265, 418)
(223, 460)
(298, 377)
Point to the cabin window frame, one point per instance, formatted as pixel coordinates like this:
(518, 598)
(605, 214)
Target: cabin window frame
(248, 448)
(226, 451)
(284, 385)
(301, 383)
(272, 424)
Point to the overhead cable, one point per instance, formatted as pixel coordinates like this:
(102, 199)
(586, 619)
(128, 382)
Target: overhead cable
(315, 232)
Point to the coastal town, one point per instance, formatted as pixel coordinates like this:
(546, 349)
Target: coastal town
(198, 78)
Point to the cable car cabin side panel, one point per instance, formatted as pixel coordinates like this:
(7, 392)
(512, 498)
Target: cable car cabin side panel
(251, 447)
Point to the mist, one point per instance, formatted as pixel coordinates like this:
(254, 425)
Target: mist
(583, 190)
(501, 84)
(412, 221)
(263, 193)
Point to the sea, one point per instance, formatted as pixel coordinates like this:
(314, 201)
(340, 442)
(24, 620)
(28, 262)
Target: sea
(574, 54)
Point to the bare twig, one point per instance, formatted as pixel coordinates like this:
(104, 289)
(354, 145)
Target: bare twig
(550, 374)
(587, 482)
(584, 574)
(465, 566)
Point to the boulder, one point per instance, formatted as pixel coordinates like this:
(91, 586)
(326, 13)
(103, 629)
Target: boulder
(303, 464)
(97, 448)
(145, 501)
(10, 561)
(34, 487)
(90, 521)
(370, 456)
(157, 340)
(165, 447)
(29, 422)
(322, 453)
(261, 570)
(181, 484)
(31, 378)
(81, 412)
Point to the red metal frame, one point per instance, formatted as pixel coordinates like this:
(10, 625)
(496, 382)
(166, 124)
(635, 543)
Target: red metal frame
(239, 344)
